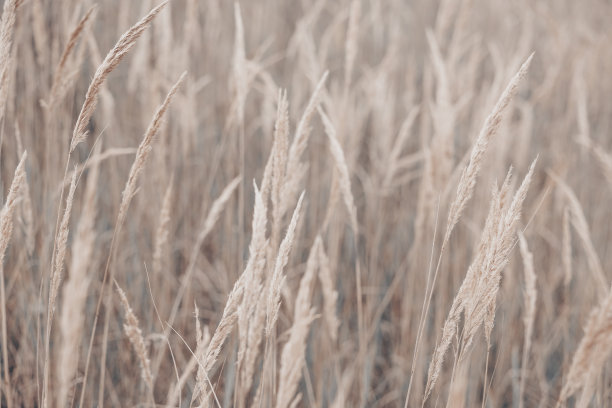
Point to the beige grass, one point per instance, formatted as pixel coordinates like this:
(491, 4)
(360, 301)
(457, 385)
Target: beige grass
(6, 230)
(111, 60)
(413, 270)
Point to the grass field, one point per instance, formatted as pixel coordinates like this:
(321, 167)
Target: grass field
(325, 203)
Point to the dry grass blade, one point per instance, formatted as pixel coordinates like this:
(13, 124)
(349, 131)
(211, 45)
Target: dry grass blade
(143, 152)
(295, 168)
(330, 295)
(127, 41)
(126, 197)
(449, 331)
(6, 230)
(530, 309)
(249, 324)
(239, 64)
(593, 350)
(478, 292)
(62, 240)
(134, 334)
(465, 190)
(582, 228)
(72, 317)
(59, 78)
(279, 154)
(480, 307)
(7, 27)
(467, 181)
(27, 218)
(303, 129)
(217, 208)
(342, 168)
(56, 278)
(213, 215)
(6, 215)
(605, 161)
(163, 229)
(278, 279)
(567, 248)
(226, 324)
(293, 354)
(274, 171)
(350, 48)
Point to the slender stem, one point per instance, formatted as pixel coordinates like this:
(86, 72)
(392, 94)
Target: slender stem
(426, 300)
(484, 392)
(49, 314)
(7, 378)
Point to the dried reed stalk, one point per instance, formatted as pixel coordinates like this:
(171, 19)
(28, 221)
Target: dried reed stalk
(163, 230)
(28, 218)
(239, 65)
(249, 325)
(202, 340)
(478, 292)
(56, 278)
(295, 168)
(581, 226)
(480, 307)
(279, 154)
(213, 215)
(6, 230)
(121, 48)
(61, 79)
(531, 295)
(6, 215)
(344, 184)
(226, 324)
(592, 352)
(465, 190)
(62, 240)
(330, 295)
(72, 317)
(278, 278)
(293, 354)
(142, 153)
(134, 334)
(211, 219)
(241, 292)
(451, 324)
(342, 169)
(7, 28)
(352, 38)
(566, 250)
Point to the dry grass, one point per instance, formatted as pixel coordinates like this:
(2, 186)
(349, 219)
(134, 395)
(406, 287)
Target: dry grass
(342, 193)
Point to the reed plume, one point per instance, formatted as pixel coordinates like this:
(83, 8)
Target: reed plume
(330, 295)
(6, 230)
(293, 354)
(134, 334)
(478, 292)
(466, 183)
(163, 229)
(72, 318)
(278, 278)
(592, 351)
(62, 79)
(112, 59)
